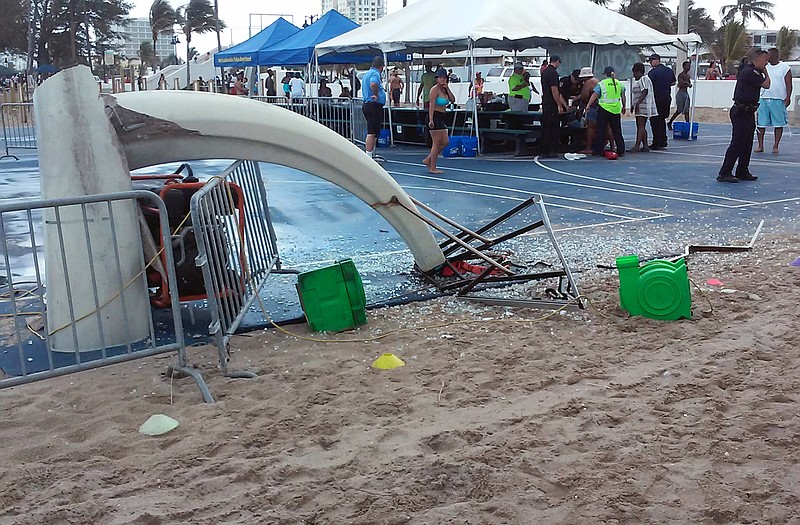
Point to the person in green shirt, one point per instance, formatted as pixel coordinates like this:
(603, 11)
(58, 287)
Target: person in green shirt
(519, 89)
(610, 96)
(427, 81)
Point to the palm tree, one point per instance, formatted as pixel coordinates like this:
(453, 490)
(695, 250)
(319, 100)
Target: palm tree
(761, 10)
(787, 41)
(730, 45)
(699, 22)
(162, 18)
(652, 13)
(197, 17)
(600, 2)
(147, 55)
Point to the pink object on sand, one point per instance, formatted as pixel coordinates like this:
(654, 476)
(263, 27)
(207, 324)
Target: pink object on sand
(714, 282)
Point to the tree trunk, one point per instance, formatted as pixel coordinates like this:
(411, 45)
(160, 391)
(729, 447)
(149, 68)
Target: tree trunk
(188, 61)
(219, 38)
(88, 38)
(73, 42)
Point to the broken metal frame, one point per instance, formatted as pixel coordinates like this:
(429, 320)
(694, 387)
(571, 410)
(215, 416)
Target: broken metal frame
(691, 249)
(470, 244)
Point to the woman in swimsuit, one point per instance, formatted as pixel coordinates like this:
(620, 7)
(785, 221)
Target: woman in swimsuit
(440, 97)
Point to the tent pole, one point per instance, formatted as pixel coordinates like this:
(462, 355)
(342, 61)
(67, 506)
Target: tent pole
(594, 56)
(316, 71)
(388, 104)
(474, 101)
(694, 88)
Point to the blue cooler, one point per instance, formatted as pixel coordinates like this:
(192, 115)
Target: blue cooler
(680, 130)
(384, 138)
(453, 148)
(469, 146)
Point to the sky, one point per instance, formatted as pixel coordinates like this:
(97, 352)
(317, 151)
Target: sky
(237, 15)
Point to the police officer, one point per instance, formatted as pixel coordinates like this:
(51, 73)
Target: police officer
(610, 94)
(749, 81)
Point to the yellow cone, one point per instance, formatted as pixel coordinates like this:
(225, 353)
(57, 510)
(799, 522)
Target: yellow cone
(387, 362)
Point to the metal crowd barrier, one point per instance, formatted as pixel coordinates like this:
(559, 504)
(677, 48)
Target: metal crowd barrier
(24, 328)
(359, 122)
(237, 249)
(19, 131)
(332, 112)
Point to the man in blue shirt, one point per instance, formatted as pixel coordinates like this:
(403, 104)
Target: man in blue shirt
(374, 99)
(663, 79)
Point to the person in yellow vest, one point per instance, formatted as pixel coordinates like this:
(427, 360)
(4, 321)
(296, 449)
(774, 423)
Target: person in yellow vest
(610, 96)
(519, 89)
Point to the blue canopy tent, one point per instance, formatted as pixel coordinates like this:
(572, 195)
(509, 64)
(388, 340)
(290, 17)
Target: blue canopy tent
(298, 49)
(246, 53)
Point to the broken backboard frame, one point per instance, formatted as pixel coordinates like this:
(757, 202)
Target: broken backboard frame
(495, 270)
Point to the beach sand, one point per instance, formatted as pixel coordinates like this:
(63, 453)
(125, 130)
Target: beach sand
(583, 417)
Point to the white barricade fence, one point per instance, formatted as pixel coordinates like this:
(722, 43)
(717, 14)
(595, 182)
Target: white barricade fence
(19, 131)
(27, 334)
(237, 249)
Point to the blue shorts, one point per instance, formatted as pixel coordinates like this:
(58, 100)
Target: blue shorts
(772, 113)
(591, 114)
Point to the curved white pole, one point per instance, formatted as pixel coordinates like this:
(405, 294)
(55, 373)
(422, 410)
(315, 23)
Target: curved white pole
(169, 126)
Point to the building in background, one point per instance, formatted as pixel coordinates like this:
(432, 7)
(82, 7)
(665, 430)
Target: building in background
(359, 11)
(137, 31)
(767, 38)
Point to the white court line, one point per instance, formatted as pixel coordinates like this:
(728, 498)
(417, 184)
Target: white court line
(767, 203)
(754, 158)
(703, 144)
(652, 215)
(515, 190)
(649, 213)
(603, 188)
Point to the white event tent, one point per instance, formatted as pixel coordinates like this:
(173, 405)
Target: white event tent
(434, 26)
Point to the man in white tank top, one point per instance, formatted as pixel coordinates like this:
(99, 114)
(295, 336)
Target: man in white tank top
(774, 101)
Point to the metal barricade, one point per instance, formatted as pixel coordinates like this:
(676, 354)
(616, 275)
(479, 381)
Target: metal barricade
(237, 248)
(19, 131)
(27, 334)
(358, 122)
(332, 112)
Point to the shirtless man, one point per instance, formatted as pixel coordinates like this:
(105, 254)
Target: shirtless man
(395, 86)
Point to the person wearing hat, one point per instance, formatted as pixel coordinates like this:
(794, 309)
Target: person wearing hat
(590, 112)
(663, 78)
(476, 89)
(749, 82)
(570, 86)
(519, 89)
(552, 105)
(374, 99)
(440, 97)
(610, 96)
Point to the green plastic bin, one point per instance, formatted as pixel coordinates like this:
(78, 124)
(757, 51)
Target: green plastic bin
(657, 289)
(333, 297)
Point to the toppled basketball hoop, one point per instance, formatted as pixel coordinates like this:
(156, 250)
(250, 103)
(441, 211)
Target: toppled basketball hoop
(472, 265)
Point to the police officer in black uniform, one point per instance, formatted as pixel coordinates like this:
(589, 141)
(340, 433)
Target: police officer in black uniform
(749, 81)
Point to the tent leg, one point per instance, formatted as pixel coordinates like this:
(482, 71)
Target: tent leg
(694, 90)
(475, 102)
(388, 103)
